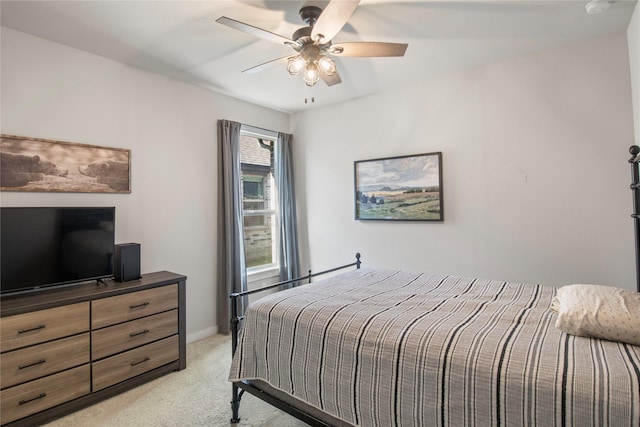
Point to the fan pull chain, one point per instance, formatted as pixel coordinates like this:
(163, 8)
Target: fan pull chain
(308, 89)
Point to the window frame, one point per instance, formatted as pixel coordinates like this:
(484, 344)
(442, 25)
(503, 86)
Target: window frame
(272, 269)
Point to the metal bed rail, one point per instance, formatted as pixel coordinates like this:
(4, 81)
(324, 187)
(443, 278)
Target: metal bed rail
(238, 388)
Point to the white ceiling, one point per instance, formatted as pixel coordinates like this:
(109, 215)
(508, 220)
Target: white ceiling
(181, 39)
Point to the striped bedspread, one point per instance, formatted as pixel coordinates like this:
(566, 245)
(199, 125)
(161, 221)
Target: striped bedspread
(395, 348)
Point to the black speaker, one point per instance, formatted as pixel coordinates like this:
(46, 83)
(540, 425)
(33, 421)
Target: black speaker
(126, 265)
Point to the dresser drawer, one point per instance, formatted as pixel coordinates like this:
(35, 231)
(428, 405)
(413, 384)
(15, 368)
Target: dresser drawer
(43, 359)
(134, 362)
(26, 399)
(118, 309)
(118, 338)
(39, 326)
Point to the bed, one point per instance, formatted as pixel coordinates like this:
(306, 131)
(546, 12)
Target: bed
(370, 347)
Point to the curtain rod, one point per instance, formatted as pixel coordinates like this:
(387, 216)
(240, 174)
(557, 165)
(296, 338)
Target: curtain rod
(256, 129)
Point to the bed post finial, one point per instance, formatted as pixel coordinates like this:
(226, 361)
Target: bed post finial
(634, 150)
(358, 262)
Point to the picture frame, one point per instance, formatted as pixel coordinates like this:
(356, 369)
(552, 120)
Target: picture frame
(402, 188)
(35, 164)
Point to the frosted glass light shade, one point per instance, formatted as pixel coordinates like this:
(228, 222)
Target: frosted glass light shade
(311, 74)
(296, 65)
(327, 66)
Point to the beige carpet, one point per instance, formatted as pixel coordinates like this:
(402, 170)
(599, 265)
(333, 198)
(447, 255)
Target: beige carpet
(196, 396)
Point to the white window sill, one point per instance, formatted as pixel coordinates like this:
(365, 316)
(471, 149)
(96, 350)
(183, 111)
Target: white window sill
(263, 273)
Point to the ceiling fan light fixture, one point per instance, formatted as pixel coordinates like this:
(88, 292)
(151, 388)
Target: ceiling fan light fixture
(313, 43)
(327, 65)
(296, 65)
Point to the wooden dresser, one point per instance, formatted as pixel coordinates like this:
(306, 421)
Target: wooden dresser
(66, 348)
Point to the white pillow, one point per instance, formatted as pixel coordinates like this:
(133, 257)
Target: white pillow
(598, 311)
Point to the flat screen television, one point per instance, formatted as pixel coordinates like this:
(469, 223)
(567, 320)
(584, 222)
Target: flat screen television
(54, 246)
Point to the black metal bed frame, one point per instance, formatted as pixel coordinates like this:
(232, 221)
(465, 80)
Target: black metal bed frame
(238, 388)
(635, 187)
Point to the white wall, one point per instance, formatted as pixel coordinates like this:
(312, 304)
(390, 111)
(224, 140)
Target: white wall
(55, 92)
(633, 39)
(536, 179)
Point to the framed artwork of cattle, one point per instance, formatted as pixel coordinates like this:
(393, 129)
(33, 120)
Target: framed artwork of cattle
(33, 164)
(403, 188)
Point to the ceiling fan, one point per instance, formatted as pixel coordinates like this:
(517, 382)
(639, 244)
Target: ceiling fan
(313, 43)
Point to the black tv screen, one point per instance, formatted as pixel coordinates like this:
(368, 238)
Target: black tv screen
(43, 247)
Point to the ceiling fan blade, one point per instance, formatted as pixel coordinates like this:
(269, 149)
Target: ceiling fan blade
(331, 80)
(255, 31)
(266, 65)
(372, 49)
(333, 18)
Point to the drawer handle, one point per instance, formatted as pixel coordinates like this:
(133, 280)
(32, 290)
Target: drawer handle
(24, 331)
(40, 396)
(135, 334)
(39, 362)
(139, 362)
(138, 305)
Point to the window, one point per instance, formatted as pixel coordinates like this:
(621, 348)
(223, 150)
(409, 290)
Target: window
(253, 200)
(253, 188)
(259, 208)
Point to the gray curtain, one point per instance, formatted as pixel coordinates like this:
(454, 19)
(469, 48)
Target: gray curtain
(283, 162)
(231, 263)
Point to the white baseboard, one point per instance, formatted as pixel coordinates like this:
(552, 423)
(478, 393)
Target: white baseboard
(202, 334)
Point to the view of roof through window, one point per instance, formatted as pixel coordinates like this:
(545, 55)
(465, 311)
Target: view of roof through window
(258, 204)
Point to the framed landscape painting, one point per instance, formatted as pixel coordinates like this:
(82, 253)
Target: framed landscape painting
(404, 188)
(35, 164)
